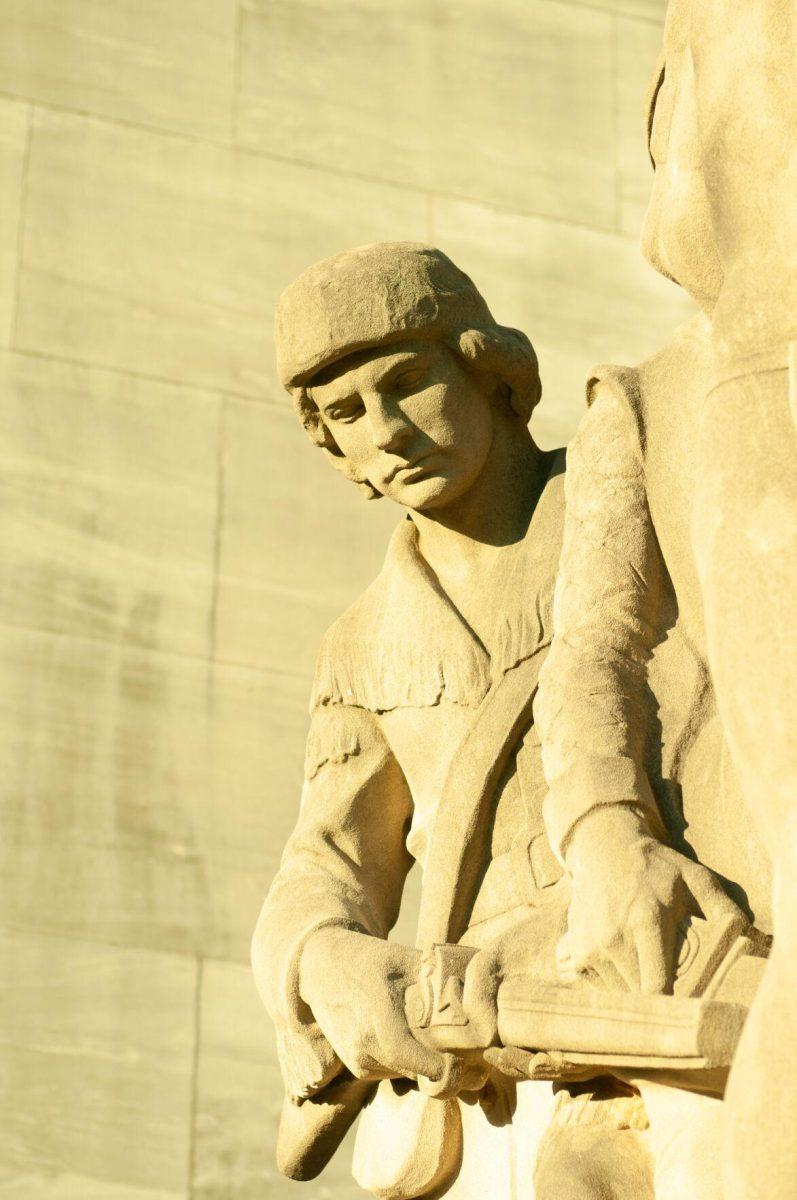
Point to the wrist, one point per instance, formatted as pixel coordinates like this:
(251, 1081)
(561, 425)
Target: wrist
(336, 949)
(601, 832)
(321, 957)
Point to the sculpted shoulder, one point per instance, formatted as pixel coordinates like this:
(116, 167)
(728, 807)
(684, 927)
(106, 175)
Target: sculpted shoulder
(342, 646)
(660, 394)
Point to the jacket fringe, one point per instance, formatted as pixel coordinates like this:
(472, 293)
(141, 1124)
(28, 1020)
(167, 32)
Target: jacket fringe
(380, 676)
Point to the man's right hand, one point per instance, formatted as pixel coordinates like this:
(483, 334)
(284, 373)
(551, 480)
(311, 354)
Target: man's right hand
(354, 985)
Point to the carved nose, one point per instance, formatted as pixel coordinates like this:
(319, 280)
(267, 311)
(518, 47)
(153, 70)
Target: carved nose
(389, 429)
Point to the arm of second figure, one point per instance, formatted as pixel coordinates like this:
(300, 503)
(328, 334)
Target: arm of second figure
(630, 890)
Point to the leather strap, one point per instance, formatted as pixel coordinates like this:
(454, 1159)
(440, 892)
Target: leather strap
(456, 853)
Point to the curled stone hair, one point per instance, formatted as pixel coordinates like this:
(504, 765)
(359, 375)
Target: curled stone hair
(499, 353)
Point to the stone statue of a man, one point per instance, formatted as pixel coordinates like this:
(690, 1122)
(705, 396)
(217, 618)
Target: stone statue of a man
(423, 746)
(402, 376)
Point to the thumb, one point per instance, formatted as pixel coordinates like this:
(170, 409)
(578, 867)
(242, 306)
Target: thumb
(481, 984)
(413, 1059)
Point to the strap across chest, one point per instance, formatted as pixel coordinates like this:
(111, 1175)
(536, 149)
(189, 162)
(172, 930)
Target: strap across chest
(460, 829)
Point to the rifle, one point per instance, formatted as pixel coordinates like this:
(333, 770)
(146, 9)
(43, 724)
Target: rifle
(694, 1030)
(688, 1038)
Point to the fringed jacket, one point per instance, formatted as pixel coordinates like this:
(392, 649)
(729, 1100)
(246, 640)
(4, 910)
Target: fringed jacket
(400, 678)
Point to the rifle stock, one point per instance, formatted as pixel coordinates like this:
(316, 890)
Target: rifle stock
(310, 1132)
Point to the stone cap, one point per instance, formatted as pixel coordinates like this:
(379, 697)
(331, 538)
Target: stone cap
(383, 292)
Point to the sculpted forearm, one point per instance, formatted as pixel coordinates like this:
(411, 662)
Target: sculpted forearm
(592, 705)
(343, 869)
(630, 891)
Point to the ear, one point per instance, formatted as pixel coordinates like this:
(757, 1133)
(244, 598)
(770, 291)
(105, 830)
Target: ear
(312, 421)
(509, 355)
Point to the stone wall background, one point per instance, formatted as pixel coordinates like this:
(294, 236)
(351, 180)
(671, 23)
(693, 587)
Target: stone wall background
(173, 547)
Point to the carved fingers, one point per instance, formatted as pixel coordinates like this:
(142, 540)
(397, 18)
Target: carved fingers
(520, 1064)
(710, 898)
(482, 978)
(655, 953)
(623, 926)
(354, 985)
(607, 959)
(372, 1040)
(398, 1053)
(607, 927)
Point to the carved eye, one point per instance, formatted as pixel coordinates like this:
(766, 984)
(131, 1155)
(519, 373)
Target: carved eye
(344, 414)
(408, 381)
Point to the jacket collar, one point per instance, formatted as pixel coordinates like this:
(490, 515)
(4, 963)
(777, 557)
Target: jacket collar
(404, 644)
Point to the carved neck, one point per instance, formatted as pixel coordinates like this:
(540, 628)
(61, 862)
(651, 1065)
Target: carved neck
(495, 511)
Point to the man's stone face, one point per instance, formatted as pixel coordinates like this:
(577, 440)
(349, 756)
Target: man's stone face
(412, 421)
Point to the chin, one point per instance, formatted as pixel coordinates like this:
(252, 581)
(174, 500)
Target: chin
(678, 242)
(435, 492)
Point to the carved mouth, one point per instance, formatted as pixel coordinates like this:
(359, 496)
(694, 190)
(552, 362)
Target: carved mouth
(403, 468)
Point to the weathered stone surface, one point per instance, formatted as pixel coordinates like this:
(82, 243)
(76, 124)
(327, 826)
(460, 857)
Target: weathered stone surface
(433, 380)
(509, 104)
(13, 139)
(109, 504)
(424, 734)
(136, 60)
(135, 258)
(682, 480)
(147, 796)
(97, 1062)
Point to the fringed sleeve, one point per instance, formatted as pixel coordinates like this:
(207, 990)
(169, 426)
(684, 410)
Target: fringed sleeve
(344, 865)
